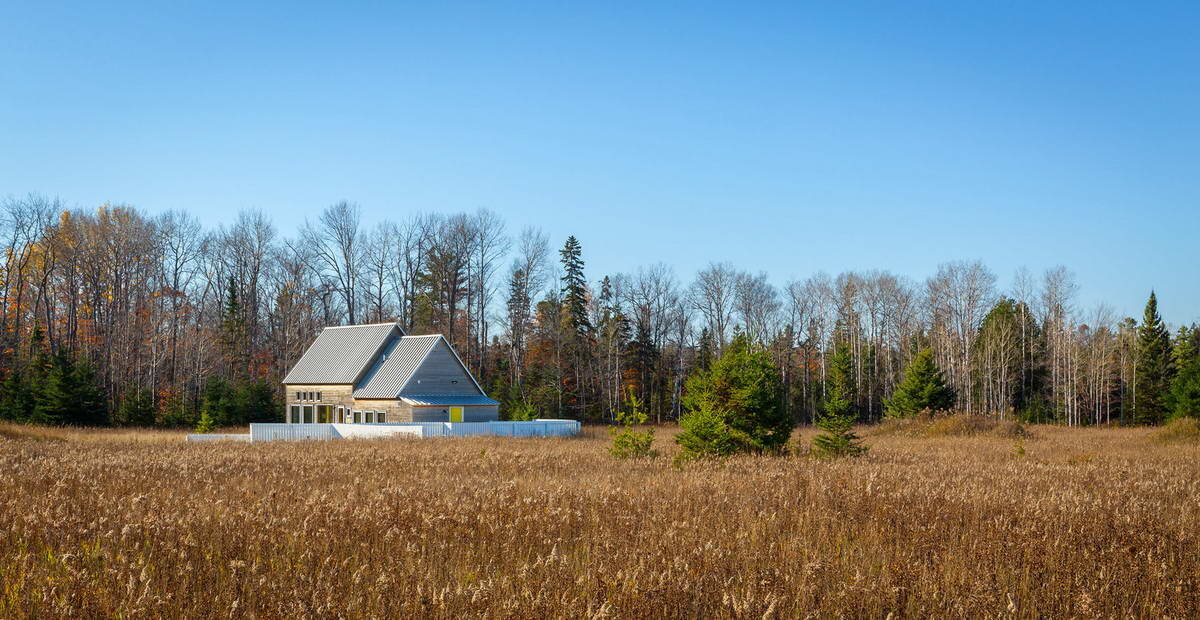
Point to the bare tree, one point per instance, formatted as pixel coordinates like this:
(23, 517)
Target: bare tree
(337, 251)
(713, 295)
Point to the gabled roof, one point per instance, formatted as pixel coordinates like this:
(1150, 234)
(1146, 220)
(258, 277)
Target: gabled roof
(397, 363)
(340, 355)
(394, 366)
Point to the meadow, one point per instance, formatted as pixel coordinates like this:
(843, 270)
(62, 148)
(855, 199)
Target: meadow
(1003, 522)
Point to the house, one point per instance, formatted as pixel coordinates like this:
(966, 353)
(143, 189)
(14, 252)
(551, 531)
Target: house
(375, 374)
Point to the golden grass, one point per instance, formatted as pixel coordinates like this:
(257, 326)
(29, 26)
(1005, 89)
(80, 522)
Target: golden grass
(954, 425)
(1179, 430)
(1091, 522)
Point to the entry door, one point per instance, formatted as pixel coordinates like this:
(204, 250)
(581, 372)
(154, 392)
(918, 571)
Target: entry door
(456, 414)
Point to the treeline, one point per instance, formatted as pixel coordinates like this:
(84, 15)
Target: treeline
(116, 316)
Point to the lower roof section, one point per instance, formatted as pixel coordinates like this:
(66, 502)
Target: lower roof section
(439, 400)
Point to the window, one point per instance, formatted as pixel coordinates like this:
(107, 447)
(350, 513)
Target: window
(318, 396)
(298, 396)
(379, 417)
(358, 417)
(341, 416)
(308, 414)
(294, 415)
(370, 417)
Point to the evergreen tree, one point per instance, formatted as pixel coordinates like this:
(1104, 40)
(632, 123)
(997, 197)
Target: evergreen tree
(1187, 346)
(16, 400)
(233, 332)
(840, 378)
(1183, 399)
(923, 387)
(39, 369)
(735, 406)
(704, 353)
(136, 408)
(218, 402)
(1155, 367)
(55, 400)
(90, 406)
(574, 288)
(837, 419)
(255, 401)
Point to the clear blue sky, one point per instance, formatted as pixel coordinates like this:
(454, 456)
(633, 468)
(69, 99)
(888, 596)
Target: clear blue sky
(784, 138)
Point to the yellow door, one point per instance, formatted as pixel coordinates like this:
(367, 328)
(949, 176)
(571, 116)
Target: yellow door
(456, 414)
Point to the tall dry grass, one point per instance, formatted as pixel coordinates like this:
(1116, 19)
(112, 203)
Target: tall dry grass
(1086, 523)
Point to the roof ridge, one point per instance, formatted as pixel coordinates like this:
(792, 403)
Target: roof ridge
(393, 323)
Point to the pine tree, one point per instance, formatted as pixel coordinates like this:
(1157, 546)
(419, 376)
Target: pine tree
(923, 387)
(1155, 367)
(577, 328)
(574, 288)
(837, 419)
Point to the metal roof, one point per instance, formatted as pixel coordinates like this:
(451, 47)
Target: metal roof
(341, 354)
(447, 399)
(395, 366)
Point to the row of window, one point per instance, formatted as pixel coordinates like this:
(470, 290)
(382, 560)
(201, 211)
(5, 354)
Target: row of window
(325, 414)
(308, 396)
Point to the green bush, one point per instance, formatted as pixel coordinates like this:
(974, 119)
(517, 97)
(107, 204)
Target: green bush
(522, 411)
(706, 433)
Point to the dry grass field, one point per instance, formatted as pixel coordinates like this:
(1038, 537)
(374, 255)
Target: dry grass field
(1063, 523)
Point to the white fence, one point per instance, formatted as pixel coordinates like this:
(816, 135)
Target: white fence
(294, 432)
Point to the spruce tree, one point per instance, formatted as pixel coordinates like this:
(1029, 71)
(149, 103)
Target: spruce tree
(90, 406)
(1155, 367)
(16, 401)
(55, 400)
(923, 387)
(735, 406)
(233, 332)
(837, 419)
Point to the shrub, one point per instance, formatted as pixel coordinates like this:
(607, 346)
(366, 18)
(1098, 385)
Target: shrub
(522, 411)
(205, 424)
(628, 443)
(1179, 430)
(707, 433)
